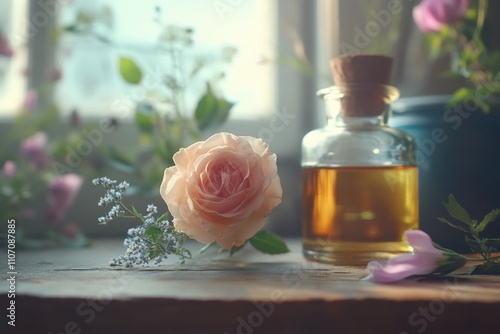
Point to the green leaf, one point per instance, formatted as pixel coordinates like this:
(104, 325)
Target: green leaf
(129, 71)
(487, 219)
(137, 213)
(153, 233)
(268, 243)
(460, 96)
(491, 267)
(155, 252)
(205, 109)
(145, 120)
(457, 211)
(211, 111)
(222, 111)
(443, 220)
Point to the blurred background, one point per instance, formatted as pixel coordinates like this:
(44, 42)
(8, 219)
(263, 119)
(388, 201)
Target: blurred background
(84, 84)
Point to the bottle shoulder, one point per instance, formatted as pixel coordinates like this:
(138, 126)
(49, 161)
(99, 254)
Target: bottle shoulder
(381, 145)
(330, 134)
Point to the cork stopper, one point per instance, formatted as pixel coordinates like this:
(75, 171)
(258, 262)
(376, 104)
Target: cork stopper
(363, 78)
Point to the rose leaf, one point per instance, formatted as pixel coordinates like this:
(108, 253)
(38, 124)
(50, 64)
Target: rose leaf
(268, 243)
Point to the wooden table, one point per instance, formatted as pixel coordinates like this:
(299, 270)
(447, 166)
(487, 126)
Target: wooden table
(75, 291)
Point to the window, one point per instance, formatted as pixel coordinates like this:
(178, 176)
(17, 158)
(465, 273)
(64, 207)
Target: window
(91, 81)
(13, 70)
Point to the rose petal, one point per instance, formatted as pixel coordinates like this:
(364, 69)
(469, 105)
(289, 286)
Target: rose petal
(221, 189)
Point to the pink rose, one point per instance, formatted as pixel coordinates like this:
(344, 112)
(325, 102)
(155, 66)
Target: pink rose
(34, 148)
(430, 15)
(62, 192)
(222, 189)
(425, 259)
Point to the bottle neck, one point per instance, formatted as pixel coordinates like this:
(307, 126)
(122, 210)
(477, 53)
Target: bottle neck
(341, 120)
(358, 105)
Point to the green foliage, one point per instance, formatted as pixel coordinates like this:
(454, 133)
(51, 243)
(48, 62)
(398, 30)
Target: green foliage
(211, 111)
(263, 241)
(470, 58)
(129, 71)
(163, 121)
(461, 95)
(268, 243)
(491, 267)
(145, 120)
(472, 229)
(457, 211)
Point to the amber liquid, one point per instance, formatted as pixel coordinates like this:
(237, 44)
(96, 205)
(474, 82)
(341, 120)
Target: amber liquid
(351, 215)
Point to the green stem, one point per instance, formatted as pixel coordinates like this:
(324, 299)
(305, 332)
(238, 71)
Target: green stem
(481, 15)
(132, 214)
(483, 259)
(484, 250)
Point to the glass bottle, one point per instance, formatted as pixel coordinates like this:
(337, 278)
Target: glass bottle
(359, 178)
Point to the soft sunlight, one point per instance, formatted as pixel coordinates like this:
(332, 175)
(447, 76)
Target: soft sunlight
(91, 82)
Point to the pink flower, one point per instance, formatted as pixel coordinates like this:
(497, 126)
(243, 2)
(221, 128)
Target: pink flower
(31, 100)
(222, 189)
(9, 169)
(34, 148)
(62, 191)
(424, 260)
(5, 48)
(430, 15)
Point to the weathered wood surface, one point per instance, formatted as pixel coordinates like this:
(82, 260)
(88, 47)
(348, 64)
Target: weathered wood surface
(75, 291)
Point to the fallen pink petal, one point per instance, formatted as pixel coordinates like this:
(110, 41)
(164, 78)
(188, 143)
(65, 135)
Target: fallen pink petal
(425, 259)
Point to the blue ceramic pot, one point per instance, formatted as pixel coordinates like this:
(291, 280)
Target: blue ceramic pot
(458, 152)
